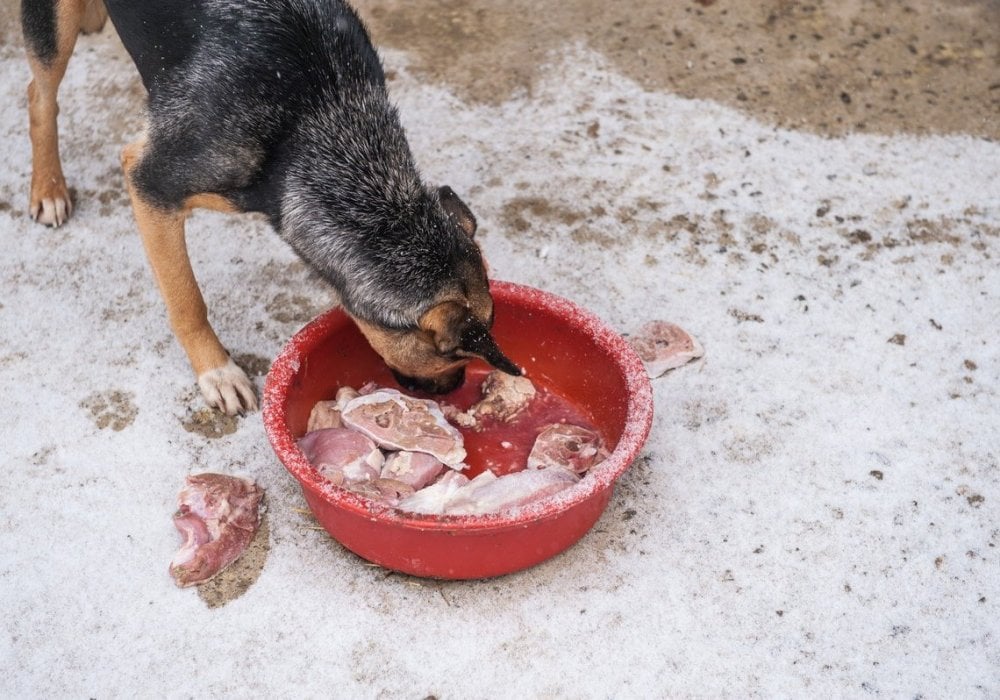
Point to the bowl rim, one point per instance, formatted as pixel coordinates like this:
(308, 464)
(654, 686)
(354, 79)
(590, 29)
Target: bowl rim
(638, 421)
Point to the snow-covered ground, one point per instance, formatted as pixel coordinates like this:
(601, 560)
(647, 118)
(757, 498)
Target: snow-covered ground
(815, 512)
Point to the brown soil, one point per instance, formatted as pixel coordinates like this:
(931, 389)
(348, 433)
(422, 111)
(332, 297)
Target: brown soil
(827, 66)
(233, 581)
(111, 409)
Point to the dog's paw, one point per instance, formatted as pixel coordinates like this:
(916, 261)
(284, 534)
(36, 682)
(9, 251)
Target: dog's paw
(228, 389)
(50, 202)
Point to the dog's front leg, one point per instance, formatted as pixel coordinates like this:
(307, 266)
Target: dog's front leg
(223, 384)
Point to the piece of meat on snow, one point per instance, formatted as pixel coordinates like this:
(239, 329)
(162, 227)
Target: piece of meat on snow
(491, 494)
(571, 447)
(662, 346)
(342, 455)
(218, 516)
(398, 422)
(415, 469)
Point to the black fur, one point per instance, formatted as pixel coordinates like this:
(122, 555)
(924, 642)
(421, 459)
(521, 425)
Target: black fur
(281, 106)
(38, 20)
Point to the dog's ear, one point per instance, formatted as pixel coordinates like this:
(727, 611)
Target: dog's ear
(453, 330)
(456, 209)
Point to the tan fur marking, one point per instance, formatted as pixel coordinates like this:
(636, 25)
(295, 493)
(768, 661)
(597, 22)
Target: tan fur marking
(163, 238)
(215, 202)
(95, 14)
(441, 322)
(49, 201)
(409, 352)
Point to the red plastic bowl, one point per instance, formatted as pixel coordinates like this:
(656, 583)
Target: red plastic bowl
(555, 341)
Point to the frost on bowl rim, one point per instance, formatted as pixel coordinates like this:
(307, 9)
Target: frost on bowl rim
(287, 366)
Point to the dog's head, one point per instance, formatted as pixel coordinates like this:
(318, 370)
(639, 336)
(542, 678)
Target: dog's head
(452, 328)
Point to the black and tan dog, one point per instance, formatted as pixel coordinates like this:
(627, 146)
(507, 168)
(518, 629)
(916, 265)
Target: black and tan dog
(280, 107)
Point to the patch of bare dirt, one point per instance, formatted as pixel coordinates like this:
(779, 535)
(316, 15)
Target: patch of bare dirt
(111, 409)
(209, 423)
(253, 365)
(233, 581)
(827, 66)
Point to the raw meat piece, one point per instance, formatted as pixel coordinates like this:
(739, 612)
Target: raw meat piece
(504, 397)
(388, 491)
(663, 346)
(459, 501)
(341, 455)
(326, 414)
(415, 469)
(494, 495)
(433, 499)
(218, 516)
(398, 422)
(568, 446)
(457, 416)
(344, 395)
(392, 491)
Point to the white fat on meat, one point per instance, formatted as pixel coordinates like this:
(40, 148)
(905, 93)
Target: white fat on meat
(398, 422)
(567, 446)
(491, 494)
(342, 456)
(415, 469)
(431, 500)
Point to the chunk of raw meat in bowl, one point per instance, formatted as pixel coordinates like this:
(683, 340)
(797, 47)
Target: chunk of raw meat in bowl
(433, 499)
(342, 456)
(491, 494)
(326, 414)
(398, 422)
(218, 516)
(504, 396)
(415, 469)
(568, 446)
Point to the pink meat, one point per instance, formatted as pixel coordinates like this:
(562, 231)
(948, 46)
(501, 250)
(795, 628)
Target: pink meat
(326, 414)
(398, 422)
(663, 346)
(218, 516)
(490, 494)
(503, 398)
(415, 469)
(567, 446)
(342, 456)
(388, 491)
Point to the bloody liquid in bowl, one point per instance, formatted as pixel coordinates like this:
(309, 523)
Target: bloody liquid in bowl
(503, 447)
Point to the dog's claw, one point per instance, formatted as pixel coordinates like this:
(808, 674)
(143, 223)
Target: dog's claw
(228, 389)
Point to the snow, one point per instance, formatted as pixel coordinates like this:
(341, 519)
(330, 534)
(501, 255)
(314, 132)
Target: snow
(814, 513)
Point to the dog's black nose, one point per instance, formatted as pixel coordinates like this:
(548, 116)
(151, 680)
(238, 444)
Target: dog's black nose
(440, 384)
